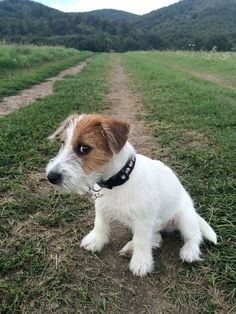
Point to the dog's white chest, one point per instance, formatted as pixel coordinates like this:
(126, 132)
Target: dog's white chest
(115, 208)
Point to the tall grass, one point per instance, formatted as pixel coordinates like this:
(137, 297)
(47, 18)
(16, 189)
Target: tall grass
(24, 65)
(22, 56)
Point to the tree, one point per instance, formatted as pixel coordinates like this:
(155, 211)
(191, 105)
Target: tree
(221, 42)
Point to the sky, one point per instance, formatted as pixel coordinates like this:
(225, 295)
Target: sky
(133, 6)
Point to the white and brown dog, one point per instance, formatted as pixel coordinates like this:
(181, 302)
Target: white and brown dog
(141, 193)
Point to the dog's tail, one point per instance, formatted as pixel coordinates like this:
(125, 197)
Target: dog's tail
(206, 230)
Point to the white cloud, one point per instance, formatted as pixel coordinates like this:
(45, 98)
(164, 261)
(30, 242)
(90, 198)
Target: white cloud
(138, 7)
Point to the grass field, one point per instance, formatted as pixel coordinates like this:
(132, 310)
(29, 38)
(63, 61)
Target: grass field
(43, 270)
(23, 66)
(220, 63)
(29, 278)
(196, 121)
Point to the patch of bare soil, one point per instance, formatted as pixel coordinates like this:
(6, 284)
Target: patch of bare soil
(27, 96)
(37, 182)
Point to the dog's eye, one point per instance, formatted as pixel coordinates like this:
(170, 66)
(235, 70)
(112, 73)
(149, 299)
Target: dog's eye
(84, 149)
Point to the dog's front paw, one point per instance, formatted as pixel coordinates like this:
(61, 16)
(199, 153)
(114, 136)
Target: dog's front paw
(93, 242)
(141, 265)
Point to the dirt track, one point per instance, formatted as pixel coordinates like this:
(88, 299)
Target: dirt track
(126, 105)
(27, 96)
(213, 78)
(202, 75)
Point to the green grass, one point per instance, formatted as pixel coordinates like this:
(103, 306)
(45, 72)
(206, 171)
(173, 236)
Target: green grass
(43, 269)
(33, 219)
(221, 64)
(195, 121)
(22, 66)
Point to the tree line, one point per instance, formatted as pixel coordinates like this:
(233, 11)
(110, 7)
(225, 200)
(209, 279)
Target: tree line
(24, 21)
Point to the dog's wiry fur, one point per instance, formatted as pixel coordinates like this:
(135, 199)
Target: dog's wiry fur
(151, 200)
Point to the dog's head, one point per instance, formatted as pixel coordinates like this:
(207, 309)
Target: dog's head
(88, 144)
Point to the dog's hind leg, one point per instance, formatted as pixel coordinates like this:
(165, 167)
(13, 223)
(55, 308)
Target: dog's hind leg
(127, 250)
(188, 225)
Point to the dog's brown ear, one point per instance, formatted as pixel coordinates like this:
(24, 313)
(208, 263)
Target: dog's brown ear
(59, 134)
(116, 132)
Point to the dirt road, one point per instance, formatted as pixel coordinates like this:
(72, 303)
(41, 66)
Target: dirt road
(27, 96)
(145, 295)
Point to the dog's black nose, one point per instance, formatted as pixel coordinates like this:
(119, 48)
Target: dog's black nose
(54, 177)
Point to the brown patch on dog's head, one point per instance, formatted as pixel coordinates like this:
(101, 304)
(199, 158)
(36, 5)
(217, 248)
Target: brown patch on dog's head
(103, 136)
(60, 133)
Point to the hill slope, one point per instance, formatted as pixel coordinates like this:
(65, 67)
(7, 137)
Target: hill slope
(111, 14)
(201, 23)
(193, 21)
(26, 9)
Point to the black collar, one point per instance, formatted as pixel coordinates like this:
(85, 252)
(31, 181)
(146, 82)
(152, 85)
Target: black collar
(120, 177)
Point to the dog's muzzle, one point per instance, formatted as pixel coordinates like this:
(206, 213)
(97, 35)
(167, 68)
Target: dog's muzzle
(54, 177)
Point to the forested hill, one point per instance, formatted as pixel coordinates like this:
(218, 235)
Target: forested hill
(198, 22)
(117, 15)
(188, 24)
